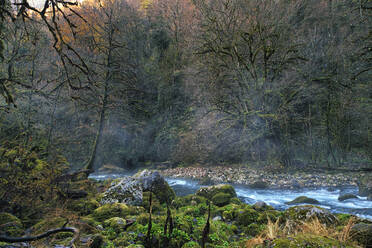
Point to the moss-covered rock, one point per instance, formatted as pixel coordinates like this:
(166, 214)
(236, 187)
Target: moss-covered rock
(108, 211)
(247, 216)
(116, 223)
(221, 199)
(303, 199)
(229, 212)
(210, 191)
(345, 197)
(10, 225)
(189, 200)
(83, 206)
(309, 241)
(308, 212)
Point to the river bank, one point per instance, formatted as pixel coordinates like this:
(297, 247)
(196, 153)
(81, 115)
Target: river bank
(264, 179)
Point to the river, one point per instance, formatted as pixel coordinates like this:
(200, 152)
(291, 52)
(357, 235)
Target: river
(328, 197)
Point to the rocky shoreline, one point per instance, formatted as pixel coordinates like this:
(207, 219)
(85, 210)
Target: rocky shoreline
(262, 179)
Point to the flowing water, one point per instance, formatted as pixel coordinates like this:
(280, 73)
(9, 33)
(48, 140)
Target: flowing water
(328, 197)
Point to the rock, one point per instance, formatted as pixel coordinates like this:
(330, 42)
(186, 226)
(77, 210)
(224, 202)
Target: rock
(10, 225)
(308, 212)
(259, 185)
(83, 206)
(261, 206)
(217, 218)
(116, 223)
(365, 185)
(362, 233)
(108, 211)
(303, 199)
(247, 216)
(221, 199)
(210, 191)
(129, 190)
(346, 197)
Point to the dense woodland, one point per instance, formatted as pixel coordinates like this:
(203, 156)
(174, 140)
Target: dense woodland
(282, 84)
(286, 83)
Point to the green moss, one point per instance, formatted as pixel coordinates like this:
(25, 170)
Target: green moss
(253, 229)
(303, 199)
(221, 199)
(108, 211)
(83, 206)
(48, 223)
(188, 200)
(191, 244)
(116, 223)
(272, 214)
(90, 221)
(10, 224)
(211, 191)
(306, 212)
(165, 194)
(247, 216)
(343, 218)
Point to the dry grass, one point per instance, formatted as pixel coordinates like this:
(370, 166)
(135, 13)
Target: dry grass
(312, 227)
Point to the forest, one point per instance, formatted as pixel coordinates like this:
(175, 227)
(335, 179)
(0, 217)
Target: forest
(191, 87)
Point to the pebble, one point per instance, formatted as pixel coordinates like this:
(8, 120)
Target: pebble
(246, 176)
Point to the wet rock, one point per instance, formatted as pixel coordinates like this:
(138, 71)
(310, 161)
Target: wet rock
(129, 190)
(259, 185)
(308, 212)
(303, 199)
(346, 197)
(362, 233)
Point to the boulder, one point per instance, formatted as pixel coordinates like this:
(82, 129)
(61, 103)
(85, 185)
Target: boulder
(261, 206)
(308, 212)
(303, 199)
(259, 185)
(365, 185)
(116, 223)
(221, 199)
(210, 191)
(346, 197)
(362, 233)
(129, 190)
